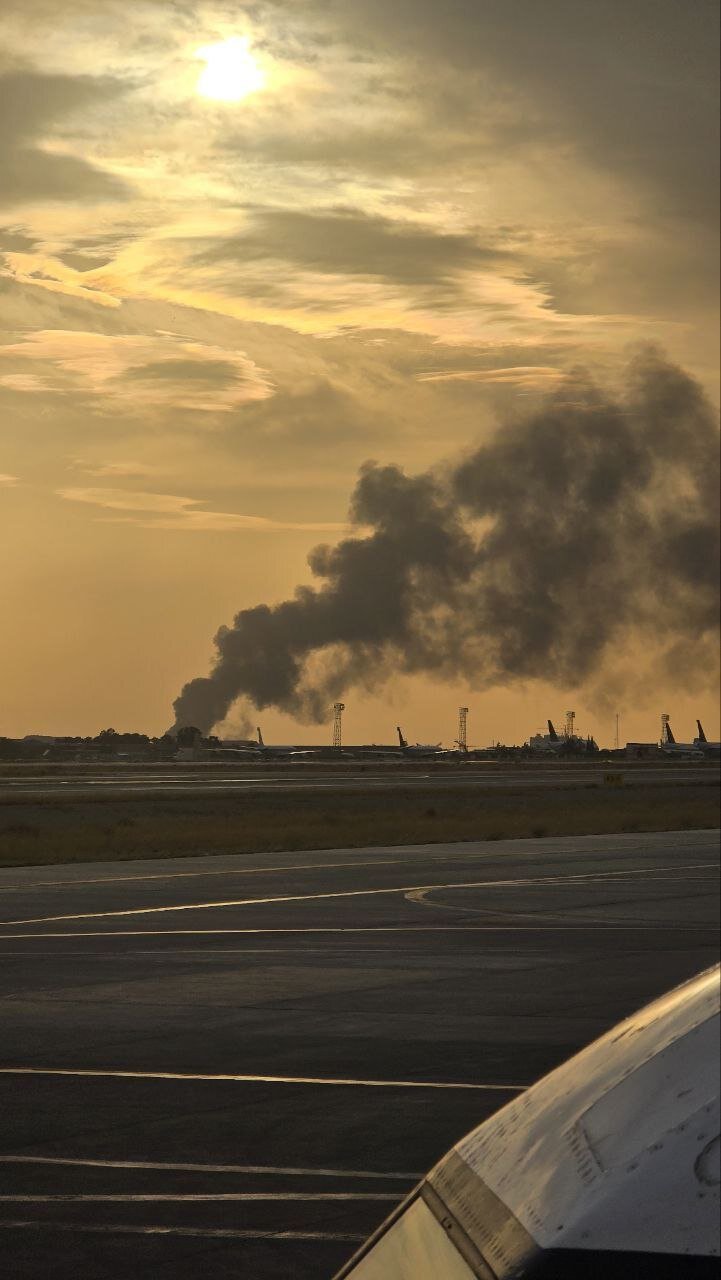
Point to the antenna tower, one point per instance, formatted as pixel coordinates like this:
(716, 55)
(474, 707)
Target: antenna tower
(338, 709)
(570, 717)
(617, 738)
(462, 729)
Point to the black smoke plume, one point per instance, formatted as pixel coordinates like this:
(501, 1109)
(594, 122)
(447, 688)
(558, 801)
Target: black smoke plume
(593, 518)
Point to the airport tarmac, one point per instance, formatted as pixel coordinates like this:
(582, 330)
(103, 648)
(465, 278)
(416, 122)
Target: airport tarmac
(280, 779)
(241, 1063)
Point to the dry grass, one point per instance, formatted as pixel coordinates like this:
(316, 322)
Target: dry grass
(98, 830)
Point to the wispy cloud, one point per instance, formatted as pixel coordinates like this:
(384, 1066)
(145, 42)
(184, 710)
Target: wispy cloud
(112, 469)
(145, 369)
(538, 376)
(28, 382)
(174, 511)
(7, 481)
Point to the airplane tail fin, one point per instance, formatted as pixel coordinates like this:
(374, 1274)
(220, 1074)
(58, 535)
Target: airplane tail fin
(260, 737)
(669, 735)
(401, 739)
(552, 732)
(701, 734)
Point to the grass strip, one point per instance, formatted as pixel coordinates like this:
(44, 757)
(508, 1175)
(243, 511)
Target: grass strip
(117, 829)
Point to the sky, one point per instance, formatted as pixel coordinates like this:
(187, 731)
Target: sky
(247, 248)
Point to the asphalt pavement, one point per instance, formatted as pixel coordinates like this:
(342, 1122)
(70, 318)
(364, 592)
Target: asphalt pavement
(277, 779)
(241, 1063)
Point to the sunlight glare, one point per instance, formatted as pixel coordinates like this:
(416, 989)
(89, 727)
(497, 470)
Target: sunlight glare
(231, 72)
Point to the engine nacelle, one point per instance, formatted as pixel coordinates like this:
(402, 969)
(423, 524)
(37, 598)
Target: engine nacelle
(608, 1167)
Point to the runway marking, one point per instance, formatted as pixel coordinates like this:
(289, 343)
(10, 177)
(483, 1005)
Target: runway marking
(163, 1166)
(522, 882)
(212, 1197)
(216, 1233)
(424, 898)
(412, 854)
(381, 928)
(189, 875)
(227, 1077)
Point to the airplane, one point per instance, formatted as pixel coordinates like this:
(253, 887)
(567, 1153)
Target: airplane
(683, 750)
(420, 748)
(703, 744)
(243, 751)
(550, 741)
(608, 1167)
(286, 753)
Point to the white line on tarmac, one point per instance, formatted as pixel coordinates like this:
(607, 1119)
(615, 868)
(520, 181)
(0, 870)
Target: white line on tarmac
(221, 1077)
(523, 882)
(212, 1197)
(191, 875)
(163, 1166)
(426, 898)
(380, 928)
(457, 852)
(216, 1233)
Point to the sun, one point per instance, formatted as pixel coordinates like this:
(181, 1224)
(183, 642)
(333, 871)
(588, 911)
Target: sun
(231, 72)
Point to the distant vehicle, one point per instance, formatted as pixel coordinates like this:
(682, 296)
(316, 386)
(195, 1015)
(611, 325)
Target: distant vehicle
(420, 748)
(608, 1167)
(702, 743)
(681, 750)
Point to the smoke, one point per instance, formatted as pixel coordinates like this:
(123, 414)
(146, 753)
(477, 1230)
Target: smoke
(592, 519)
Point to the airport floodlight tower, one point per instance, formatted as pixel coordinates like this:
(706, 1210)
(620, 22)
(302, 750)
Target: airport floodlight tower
(570, 717)
(338, 709)
(665, 722)
(462, 729)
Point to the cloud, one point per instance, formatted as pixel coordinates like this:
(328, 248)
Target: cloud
(633, 87)
(140, 370)
(536, 376)
(29, 383)
(15, 240)
(30, 106)
(172, 511)
(341, 144)
(8, 481)
(175, 370)
(84, 261)
(114, 469)
(348, 241)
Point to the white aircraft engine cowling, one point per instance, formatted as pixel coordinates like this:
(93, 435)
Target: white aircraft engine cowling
(607, 1167)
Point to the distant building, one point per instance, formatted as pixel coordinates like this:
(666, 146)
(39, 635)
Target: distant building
(643, 751)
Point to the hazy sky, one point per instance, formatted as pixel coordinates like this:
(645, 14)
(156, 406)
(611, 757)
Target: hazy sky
(245, 248)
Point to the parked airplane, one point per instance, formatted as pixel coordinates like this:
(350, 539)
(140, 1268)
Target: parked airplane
(703, 744)
(420, 748)
(233, 751)
(285, 752)
(550, 741)
(682, 750)
(608, 1167)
